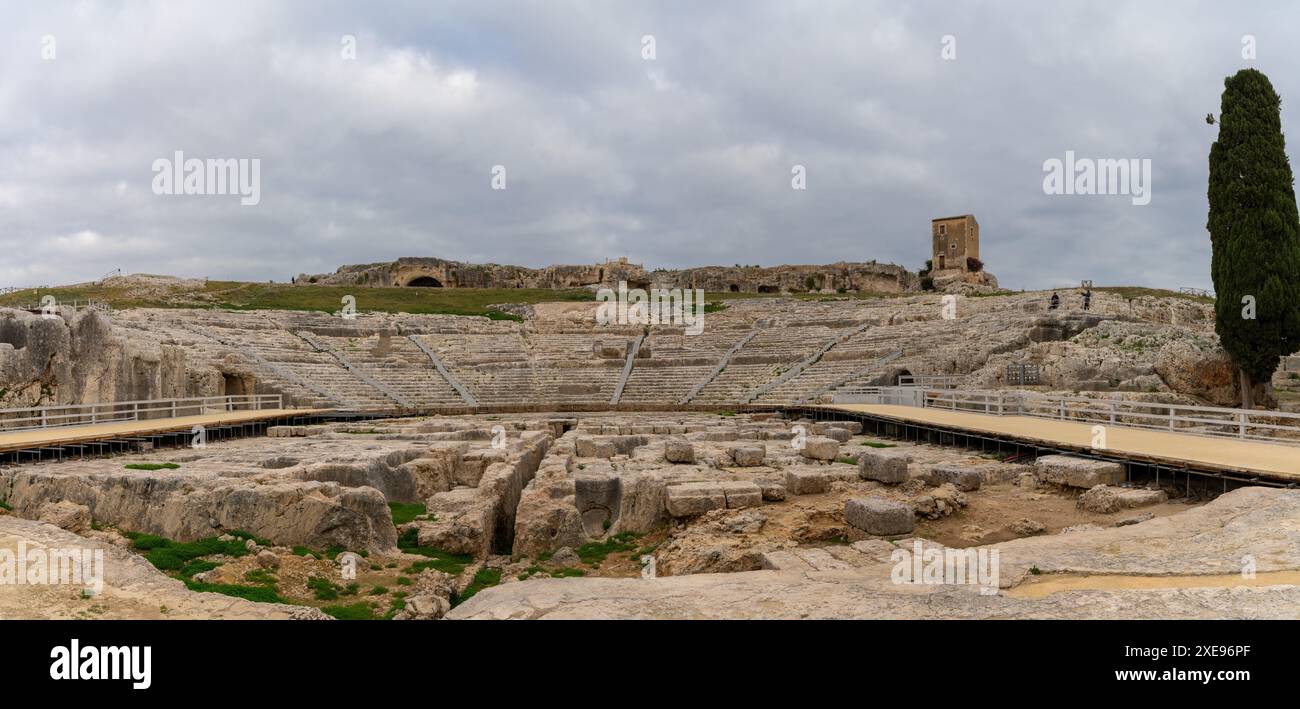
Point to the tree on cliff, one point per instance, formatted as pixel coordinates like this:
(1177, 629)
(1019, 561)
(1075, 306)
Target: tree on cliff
(1254, 232)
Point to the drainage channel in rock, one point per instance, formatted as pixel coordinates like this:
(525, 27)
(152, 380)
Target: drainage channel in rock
(1042, 586)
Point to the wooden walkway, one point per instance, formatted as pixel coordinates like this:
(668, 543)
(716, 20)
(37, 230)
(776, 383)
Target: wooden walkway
(1208, 453)
(67, 435)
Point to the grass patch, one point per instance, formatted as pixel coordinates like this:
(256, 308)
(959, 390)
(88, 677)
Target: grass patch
(245, 536)
(404, 512)
(441, 560)
(183, 558)
(485, 578)
(237, 295)
(397, 604)
(846, 461)
(567, 573)
(595, 552)
(878, 444)
(323, 589)
(261, 577)
(261, 594)
(6, 507)
(197, 566)
(1138, 292)
(167, 555)
(452, 564)
(152, 466)
(355, 611)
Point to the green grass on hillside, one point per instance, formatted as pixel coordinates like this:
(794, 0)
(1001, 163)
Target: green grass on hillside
(1138, 292)
(236, 295)
(233, 295)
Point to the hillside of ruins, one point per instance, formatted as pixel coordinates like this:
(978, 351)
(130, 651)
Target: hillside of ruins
(547, 464)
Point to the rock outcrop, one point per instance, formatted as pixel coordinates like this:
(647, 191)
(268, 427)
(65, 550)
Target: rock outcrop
(132, 588)
(72, 357)
(185, 508)
(1207, 540)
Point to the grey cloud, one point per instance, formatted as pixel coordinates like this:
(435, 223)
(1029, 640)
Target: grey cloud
(677, 162)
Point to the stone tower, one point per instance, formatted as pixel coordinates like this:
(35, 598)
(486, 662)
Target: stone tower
(954, 239)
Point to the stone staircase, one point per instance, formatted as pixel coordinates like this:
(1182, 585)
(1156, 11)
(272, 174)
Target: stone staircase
(274, 375)
(670, 362)
(395, 365)
(768, 355)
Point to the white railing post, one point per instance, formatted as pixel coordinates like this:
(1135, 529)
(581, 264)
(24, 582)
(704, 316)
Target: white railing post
(1171, 418)
(1241, 425)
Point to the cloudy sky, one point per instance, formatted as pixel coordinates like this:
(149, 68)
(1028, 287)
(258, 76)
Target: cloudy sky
(680, 160)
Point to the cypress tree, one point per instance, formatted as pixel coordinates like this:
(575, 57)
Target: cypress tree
(1254, 232)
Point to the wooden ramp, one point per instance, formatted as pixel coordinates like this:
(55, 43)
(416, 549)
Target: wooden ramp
(54, 437)
(1206, 453)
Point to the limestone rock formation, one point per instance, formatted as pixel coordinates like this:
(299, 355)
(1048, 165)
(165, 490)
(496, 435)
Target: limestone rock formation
(1206, 540)
(1072, 471)
(191, 507)
(1105, 499)
(132, 588)
(72, 357)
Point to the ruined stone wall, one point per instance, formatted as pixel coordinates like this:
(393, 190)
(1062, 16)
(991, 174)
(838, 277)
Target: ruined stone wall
(435, 272)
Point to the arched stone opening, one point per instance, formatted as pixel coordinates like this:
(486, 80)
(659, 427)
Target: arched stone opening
(424, 282)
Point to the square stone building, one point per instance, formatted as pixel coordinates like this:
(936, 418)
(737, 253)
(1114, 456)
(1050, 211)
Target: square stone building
(954, 239)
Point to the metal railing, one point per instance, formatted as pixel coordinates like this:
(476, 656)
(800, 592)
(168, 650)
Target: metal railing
(1275, 426)
(897, 396)
(75, 305)
(931, 381)
(38, 417)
